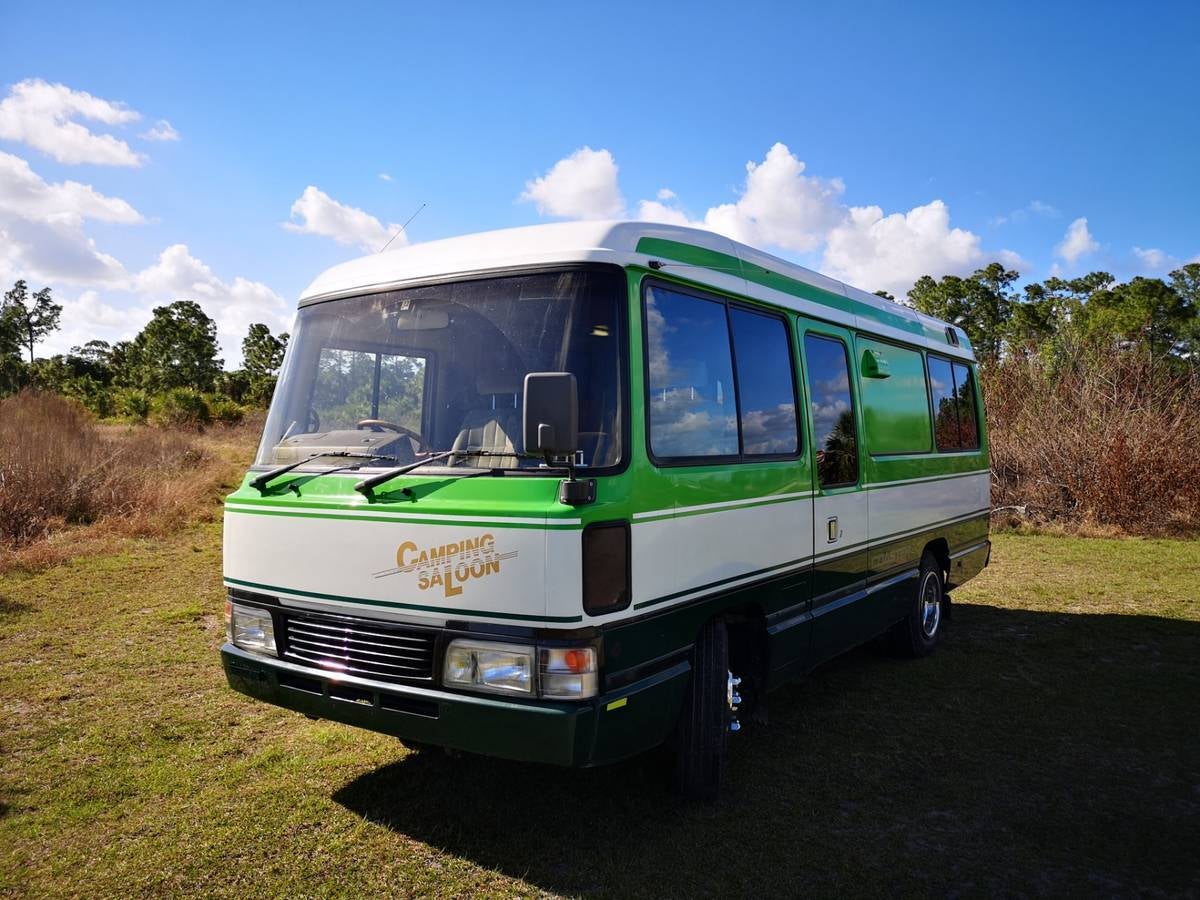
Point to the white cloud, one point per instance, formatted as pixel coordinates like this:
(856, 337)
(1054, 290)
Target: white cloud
(874, 251)
(656, 211)
(42, 240)
(1159, 262)
(783, 207)
(55, 253)
(162, 131)
(581, 186)
(41, 228)
(42, 115)
(86, 318)
(234, 306)
(1032, 208)
(318, 213)
(384, 176)
(1077, 242)
(780, 206)
(24, 193)
(1155, 260)
(121, 313)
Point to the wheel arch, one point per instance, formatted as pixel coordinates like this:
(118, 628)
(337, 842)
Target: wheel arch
(749, 648)
(940, 548)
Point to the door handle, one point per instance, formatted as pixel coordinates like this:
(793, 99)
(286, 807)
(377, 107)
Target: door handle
(831, 530)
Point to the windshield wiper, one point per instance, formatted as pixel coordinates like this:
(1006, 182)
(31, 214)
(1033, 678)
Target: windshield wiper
(367, 484)
(266, 478)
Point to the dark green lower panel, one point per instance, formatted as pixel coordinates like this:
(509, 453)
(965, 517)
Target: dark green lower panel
(634, 720)
(965, 564)
(564, 734)
(811, 614)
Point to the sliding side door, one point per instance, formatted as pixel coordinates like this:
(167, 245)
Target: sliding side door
(840, 552)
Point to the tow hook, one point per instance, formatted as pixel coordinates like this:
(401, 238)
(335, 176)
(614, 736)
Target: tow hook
(733, 699)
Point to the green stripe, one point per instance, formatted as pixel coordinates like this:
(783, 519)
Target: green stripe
(550, 525)
(672, 514)
(921, 479)
(386, 603)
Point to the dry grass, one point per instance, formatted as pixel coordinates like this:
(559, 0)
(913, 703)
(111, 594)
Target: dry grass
(1102, 442)
(69, 484)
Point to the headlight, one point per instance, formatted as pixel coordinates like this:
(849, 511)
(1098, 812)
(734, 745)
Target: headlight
(250, 628)
(568, 672)
(486, 666)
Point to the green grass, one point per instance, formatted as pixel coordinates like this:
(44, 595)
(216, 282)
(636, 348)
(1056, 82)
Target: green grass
(1052, 746)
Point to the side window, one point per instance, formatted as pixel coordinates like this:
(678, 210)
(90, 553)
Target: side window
(692, 407)
(945, 410)
(964, 396)
(894, 400)
(766, 384)
(834, 432)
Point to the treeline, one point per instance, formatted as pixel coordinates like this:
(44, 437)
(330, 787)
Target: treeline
(1092, 390)
(169, 373)
(1060, 314)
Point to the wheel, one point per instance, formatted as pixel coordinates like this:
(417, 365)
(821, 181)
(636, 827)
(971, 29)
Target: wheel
(921, 630)
(707, 716)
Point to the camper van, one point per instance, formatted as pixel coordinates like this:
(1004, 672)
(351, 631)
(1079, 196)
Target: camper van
(570, 492)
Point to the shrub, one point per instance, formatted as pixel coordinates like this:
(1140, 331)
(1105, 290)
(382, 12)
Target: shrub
(131, 403)
(226, 411)
(1097, 437)
(180, 408)
(60, 467)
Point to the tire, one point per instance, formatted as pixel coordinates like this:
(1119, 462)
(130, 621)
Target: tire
(921, 630)
(704, 724)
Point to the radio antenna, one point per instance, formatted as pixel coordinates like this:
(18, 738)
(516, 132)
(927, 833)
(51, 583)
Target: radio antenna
(401, 228)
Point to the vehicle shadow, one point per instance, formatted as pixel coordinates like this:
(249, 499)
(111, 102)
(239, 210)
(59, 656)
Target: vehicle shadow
(1035, 753)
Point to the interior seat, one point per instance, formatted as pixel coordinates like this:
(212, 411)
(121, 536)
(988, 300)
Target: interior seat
(493, 425)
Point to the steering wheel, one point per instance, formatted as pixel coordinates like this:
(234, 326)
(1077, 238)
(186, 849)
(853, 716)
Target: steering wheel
(380, 425)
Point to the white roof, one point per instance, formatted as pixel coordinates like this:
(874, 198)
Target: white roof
(614, 242)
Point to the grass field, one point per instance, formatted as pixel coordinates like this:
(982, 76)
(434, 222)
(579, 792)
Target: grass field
(1051, 747)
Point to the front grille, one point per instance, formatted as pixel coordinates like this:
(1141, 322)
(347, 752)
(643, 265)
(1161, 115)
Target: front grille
(376, 650)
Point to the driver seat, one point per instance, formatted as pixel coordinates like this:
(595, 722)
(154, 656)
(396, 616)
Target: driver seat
(492, 426)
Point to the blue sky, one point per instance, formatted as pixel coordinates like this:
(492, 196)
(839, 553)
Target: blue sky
(1021, 119)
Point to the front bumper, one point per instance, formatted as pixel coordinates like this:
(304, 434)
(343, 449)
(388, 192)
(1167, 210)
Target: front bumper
(566, 734)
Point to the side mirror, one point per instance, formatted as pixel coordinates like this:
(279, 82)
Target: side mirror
(550, 419)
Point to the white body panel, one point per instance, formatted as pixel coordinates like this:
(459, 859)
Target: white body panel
(679, 555)
(907, 506)
(334, 561)
(850, 510)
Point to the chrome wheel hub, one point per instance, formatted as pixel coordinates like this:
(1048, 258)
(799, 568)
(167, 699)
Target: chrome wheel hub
(931, 605)
(733, 699)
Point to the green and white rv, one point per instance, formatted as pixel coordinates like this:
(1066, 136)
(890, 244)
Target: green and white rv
(569, 492)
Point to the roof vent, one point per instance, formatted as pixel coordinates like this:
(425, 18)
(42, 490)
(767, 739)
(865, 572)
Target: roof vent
(952, 335)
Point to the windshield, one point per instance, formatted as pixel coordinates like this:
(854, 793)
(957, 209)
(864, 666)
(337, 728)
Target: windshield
(404, 373)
